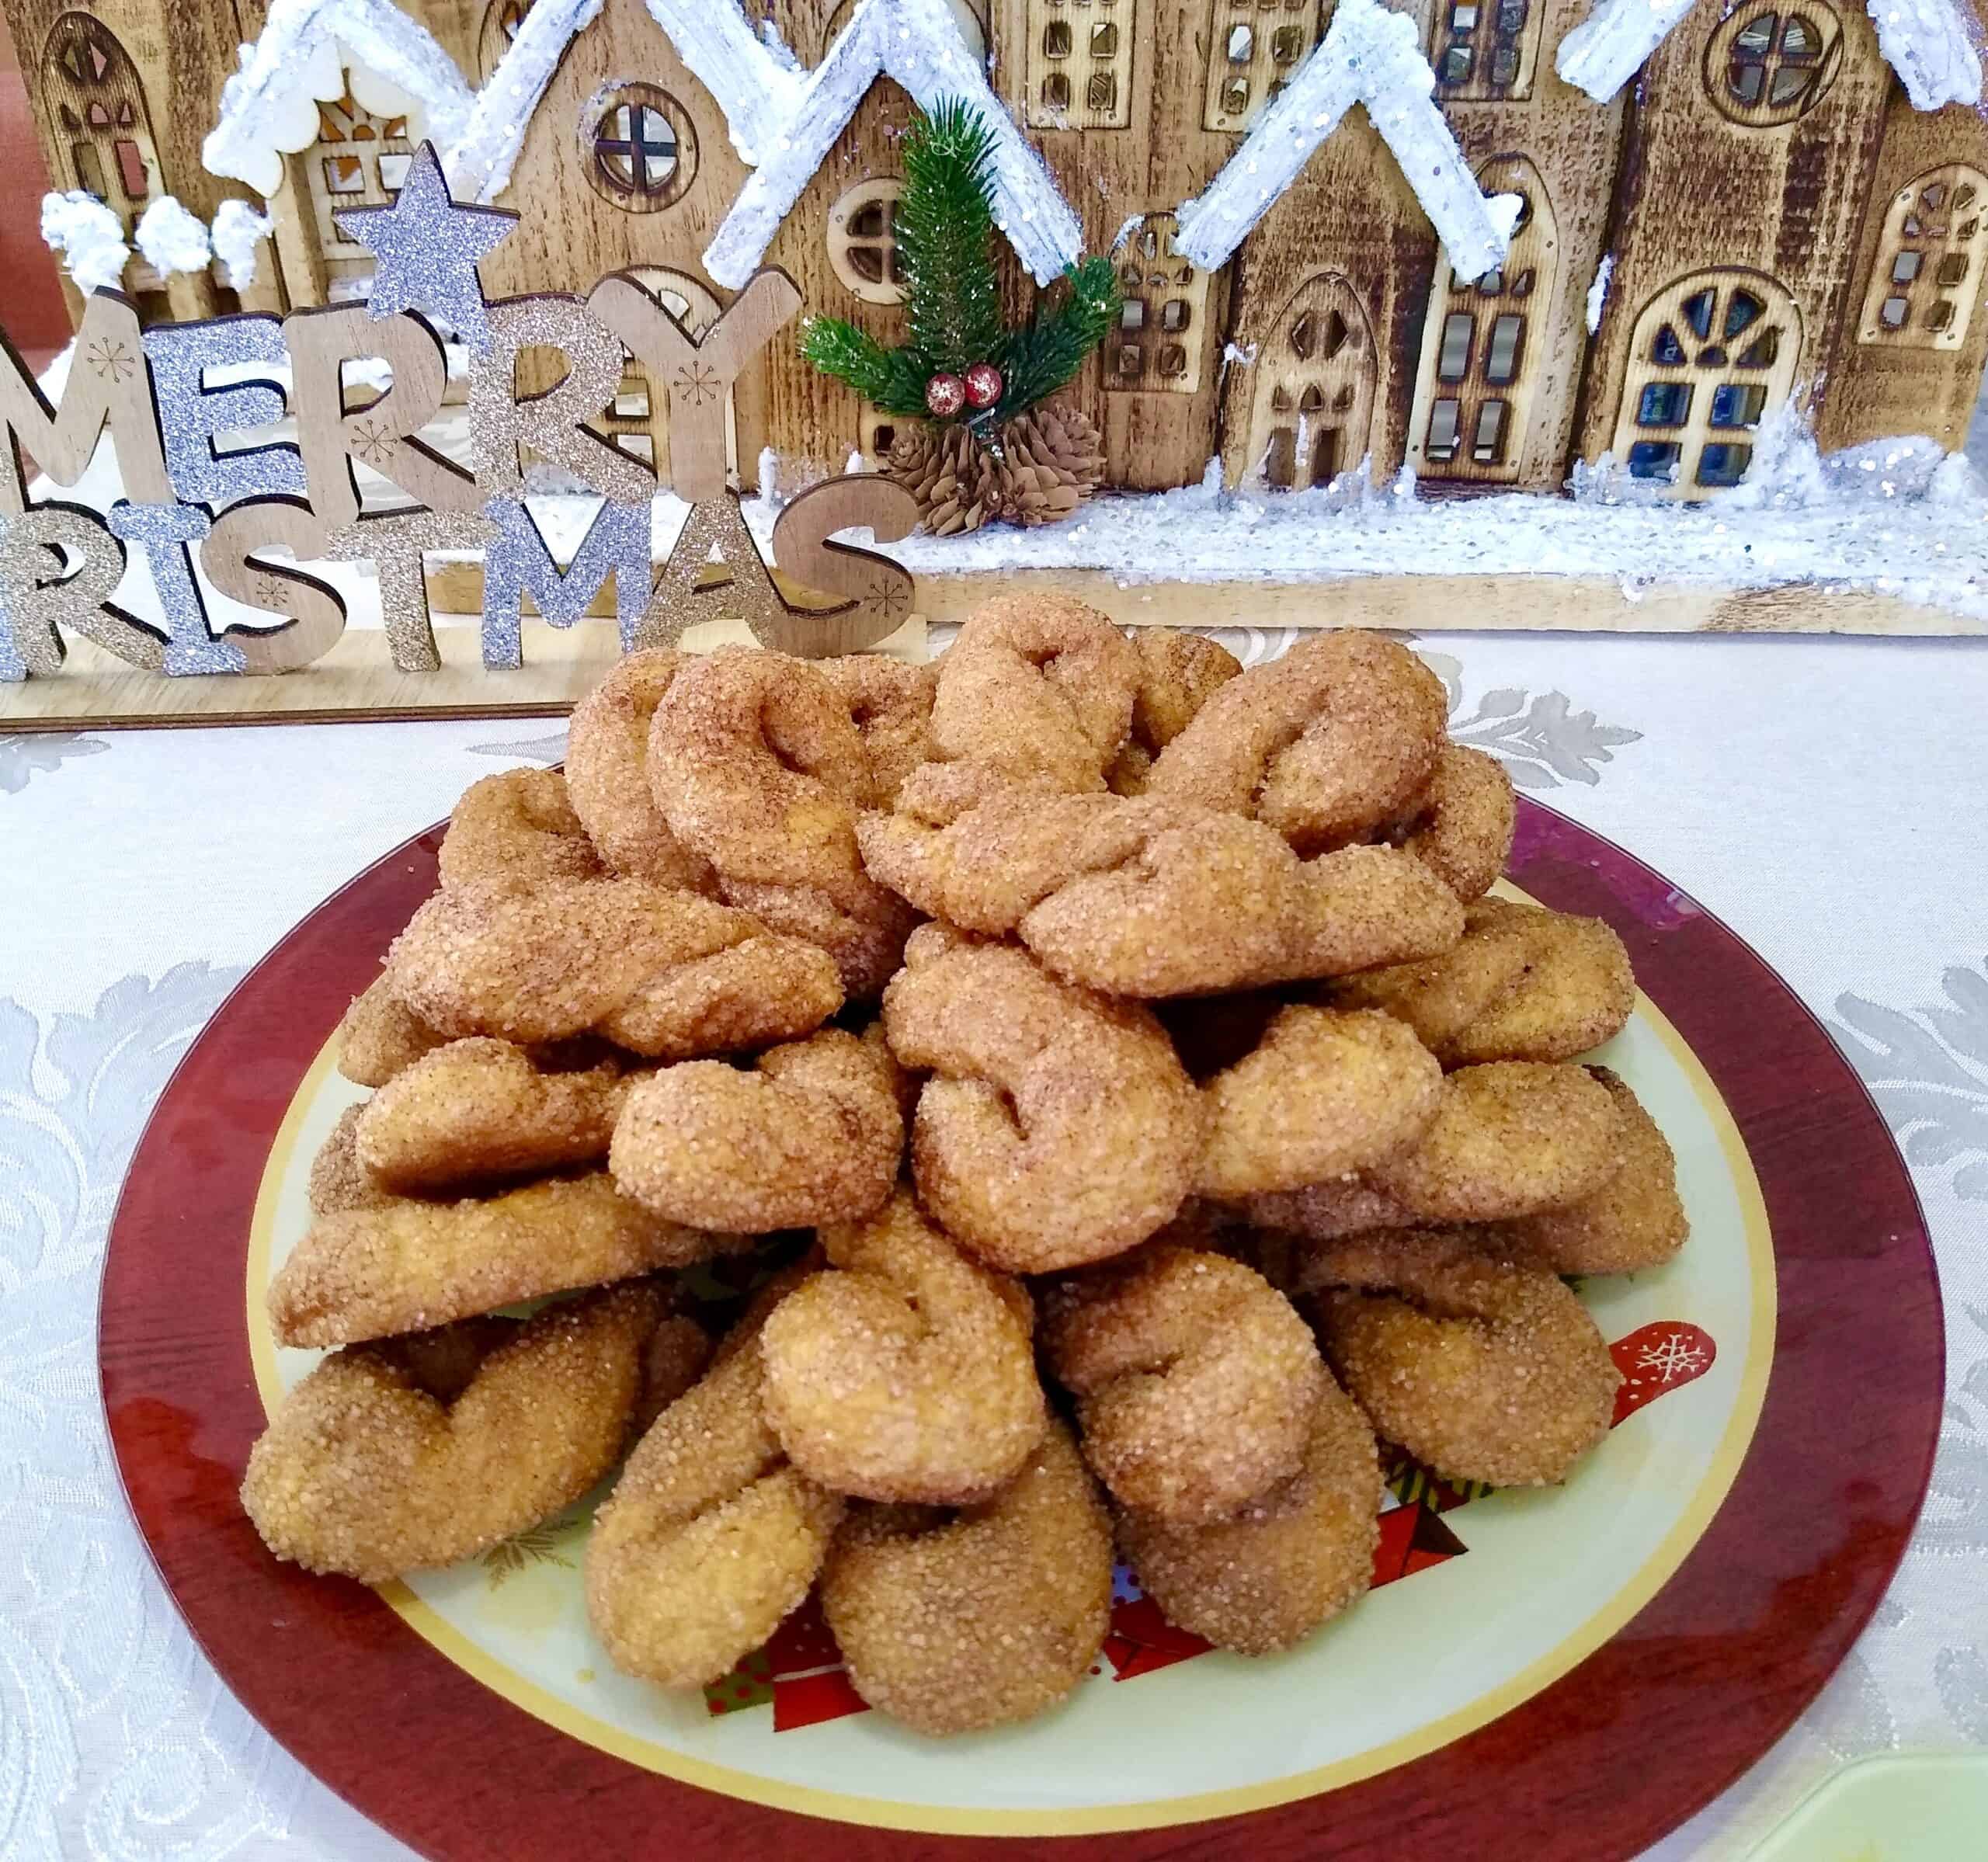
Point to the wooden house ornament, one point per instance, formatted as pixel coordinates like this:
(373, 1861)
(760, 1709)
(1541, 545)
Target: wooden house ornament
(1482, 239)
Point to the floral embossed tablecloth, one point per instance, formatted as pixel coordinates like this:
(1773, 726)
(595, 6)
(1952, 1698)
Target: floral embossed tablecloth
(1823, 796)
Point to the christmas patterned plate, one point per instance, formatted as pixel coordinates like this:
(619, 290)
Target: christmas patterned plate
(1559, 1674)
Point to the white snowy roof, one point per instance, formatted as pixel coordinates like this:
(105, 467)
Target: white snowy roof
(1368, 56)
(754, 82)
(1926, 42)
(308, 51)
(918, 42)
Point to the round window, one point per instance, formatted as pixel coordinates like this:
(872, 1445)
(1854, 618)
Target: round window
(1768, 65)
(638, 147)
(863, 241)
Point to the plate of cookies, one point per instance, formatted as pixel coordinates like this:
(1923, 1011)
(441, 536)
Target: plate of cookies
(1077, 1243)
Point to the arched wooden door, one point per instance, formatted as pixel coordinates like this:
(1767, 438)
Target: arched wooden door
(1484, 345)
(104, 146)
(1312, 415)
(1712, 355)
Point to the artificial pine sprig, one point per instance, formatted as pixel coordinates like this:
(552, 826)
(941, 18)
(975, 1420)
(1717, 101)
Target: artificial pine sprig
(945, 239)
(1037, 359)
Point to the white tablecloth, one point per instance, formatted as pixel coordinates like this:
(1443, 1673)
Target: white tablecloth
(1824, 797)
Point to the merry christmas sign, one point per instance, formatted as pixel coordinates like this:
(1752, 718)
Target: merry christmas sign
(253, 518)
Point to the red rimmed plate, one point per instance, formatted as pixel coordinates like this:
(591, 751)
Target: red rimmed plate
(1566, 1674)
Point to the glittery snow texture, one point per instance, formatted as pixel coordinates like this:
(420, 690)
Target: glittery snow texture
(917, 43)
(517, 563)
(308, 52)
(1927, 42)
(1373, 57)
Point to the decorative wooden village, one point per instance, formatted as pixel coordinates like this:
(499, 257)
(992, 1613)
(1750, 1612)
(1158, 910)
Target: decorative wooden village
(1366, 253)
(1708, 205)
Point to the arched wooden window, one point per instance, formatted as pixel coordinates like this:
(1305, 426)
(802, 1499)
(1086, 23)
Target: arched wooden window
(637, 421)
(1928, 272)
(1485, 51)
(104, 144)
(1712, 355)
(1255, 47)
(1161, 343)
(359, 160)
(863, 241)
(1768, 64)
(1312, 415)
(1484, 344)
(1078, 65)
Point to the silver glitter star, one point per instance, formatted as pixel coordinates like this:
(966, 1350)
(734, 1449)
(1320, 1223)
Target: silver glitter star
(428, 248)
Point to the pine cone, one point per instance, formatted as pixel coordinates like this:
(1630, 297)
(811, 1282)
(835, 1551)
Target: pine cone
(1052, 460)
(958, 483)
(1055, 460)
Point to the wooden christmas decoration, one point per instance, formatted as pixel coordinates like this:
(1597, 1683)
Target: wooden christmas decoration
(1360, 255)
(188, 501)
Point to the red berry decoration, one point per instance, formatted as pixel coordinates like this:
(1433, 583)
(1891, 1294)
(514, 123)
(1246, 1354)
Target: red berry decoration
(983, 384)
(945, 395)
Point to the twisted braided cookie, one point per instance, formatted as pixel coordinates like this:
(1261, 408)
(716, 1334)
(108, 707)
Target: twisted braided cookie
(1058, 1127)
(478, 1109)
(1036, 687)
(418, 1451)
(908, 1373)
(890, 704)
(710, 1538)
(811, 1134)
(1323, 1093)
(398, 1265)
(517, 829)
(1486, 1370)
(1635, 1220)
(1138, 895)
(1179, 672)
(1524, 984)
(1460, 824)
(1508, 1138)
(664, 973)
(951, 1621)
(1195, 1380)
(757, 764)
(1294, 1557)
(381, 1035)
(608, 775)
(1337, 737)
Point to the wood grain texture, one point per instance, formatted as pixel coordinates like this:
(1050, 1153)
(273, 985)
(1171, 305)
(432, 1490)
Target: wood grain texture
(1592, 1769)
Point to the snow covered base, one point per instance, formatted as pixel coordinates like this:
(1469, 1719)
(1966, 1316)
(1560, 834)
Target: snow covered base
(1899, 518)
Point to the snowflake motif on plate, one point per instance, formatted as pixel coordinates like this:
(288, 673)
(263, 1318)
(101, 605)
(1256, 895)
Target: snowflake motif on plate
(1671, 1356)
